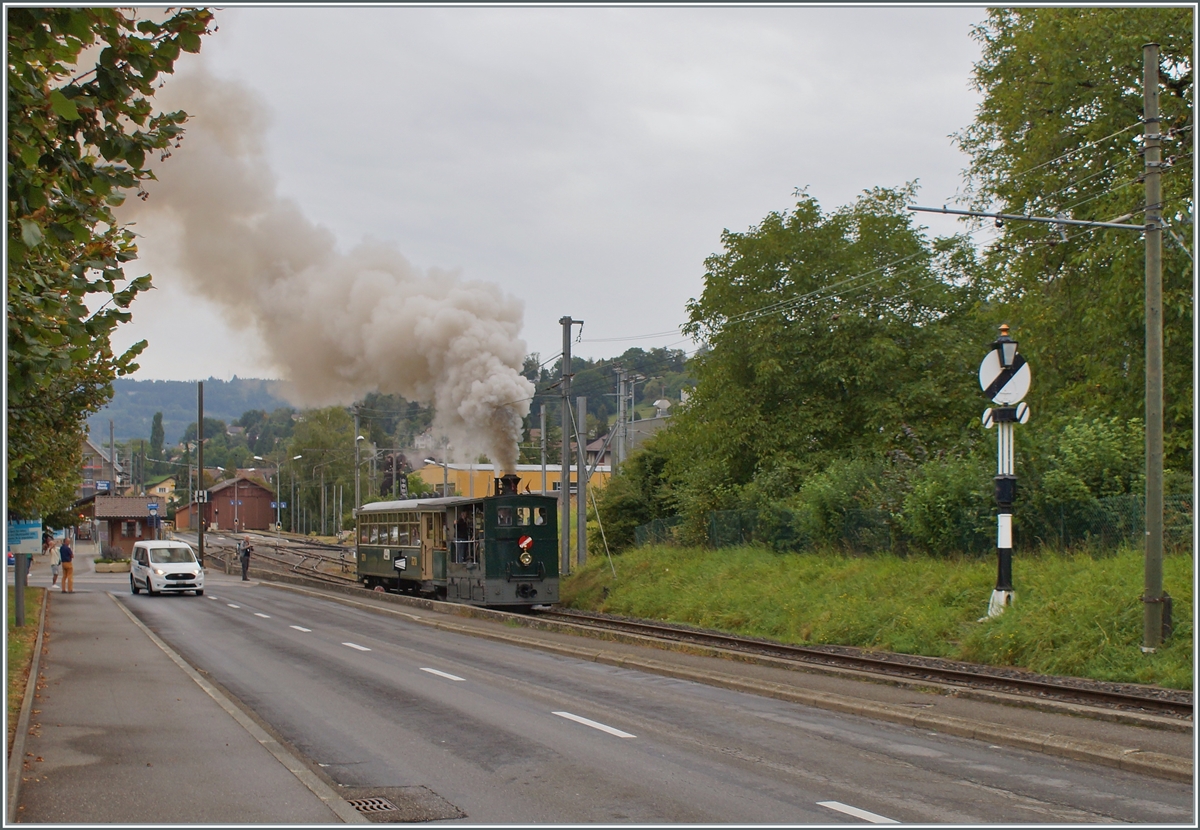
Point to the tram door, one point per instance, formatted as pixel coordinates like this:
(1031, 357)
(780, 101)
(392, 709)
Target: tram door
(430, 527)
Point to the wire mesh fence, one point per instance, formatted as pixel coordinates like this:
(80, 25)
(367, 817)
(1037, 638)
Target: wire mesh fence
(1104, 522)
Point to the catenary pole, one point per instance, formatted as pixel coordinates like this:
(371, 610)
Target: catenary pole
(201, 507)
(564, 487)
(543, 436)
(1153, 597)
(581, 474)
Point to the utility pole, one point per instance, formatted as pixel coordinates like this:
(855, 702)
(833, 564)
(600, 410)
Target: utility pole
(620, 415)
(565, 481)
(1153, 597)
(357, 438)
(581, 474)
(201, 512)
(543, 426)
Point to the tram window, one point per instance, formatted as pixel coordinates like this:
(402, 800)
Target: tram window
(504, 516)
(362, 534)
(539, 516)
(523, 516)
(395, 534)
(374, 534)
(401, 534)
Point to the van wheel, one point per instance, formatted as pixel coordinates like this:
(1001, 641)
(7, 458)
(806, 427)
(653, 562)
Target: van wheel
(150, 588)
(133, 588)
(200, 593)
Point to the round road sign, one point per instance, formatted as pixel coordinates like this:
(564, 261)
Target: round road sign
(1004, 386)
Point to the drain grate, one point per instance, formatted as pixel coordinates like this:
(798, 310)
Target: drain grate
(372, 805)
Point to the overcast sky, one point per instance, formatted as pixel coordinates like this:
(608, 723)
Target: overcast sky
(583, 159)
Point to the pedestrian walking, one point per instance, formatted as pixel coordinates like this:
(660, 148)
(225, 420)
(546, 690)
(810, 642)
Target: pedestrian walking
(67, 557)
(55, 564)
(244, 550)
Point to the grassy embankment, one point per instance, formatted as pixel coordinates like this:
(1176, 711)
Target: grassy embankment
(1074, 614)
(20, 652)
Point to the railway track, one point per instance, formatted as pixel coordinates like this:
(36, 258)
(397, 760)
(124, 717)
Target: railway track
(304, 559)
(1146, 699)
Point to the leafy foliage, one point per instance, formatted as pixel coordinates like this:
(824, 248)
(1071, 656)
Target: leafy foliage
(835, 334)
(1059, 132)
(77, 140)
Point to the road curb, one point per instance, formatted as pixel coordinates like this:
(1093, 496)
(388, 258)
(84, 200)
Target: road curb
(1132, 759)
(16, 759)
(294, 765)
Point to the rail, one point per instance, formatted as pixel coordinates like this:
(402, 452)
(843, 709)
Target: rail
(1150, 699)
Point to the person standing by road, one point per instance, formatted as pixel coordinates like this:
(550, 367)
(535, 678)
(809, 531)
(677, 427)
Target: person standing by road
(67, 557)
(55, 563)
(244, 550)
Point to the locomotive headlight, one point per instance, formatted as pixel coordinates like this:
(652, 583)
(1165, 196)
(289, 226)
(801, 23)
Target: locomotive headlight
(526, 558)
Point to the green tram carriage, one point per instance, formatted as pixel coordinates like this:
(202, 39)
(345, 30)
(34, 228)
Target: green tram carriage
(500, 550)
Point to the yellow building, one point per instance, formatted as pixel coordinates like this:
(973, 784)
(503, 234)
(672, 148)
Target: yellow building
(476, 480)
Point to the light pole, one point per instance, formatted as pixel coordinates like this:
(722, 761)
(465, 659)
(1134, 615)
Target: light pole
(357, 461)
(292, 514)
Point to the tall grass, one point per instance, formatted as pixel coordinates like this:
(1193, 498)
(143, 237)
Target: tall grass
(1075, 613)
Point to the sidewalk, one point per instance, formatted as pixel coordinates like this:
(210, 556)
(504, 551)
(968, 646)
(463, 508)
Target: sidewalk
(121, 734)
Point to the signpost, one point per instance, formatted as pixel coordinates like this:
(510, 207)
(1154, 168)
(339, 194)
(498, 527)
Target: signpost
(1004, 377)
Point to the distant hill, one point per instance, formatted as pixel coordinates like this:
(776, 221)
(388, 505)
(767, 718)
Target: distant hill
(135, 402)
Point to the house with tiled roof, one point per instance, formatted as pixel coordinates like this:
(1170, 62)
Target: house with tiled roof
(119, 521)
(95, 467)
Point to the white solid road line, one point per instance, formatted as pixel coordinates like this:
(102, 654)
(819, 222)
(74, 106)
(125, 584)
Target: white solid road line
(610, 730)
(443, 674)
(264, 616)
(857, 813)
(300, 628)
(357, 646)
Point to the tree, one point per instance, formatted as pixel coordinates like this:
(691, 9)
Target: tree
(78, 140)
(831, 335)
(156, 442)
(1059, 132)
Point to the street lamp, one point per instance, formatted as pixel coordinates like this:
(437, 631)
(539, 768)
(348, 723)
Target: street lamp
(357, 488)
(1006, 347)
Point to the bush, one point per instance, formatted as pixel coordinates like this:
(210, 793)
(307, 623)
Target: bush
(949, 508)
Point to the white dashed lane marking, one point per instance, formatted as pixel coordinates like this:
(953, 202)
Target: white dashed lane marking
(357, 646)
(442, 674)
(602, 727)
(874, 818)
(264, 616)
(231, 605)
(300, 628)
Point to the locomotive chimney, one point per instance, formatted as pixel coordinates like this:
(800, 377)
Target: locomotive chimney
(507, 484)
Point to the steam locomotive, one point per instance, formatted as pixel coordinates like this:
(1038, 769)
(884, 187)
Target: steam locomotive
(500, 550)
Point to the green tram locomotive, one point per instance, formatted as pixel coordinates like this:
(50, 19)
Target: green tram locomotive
(500, 550)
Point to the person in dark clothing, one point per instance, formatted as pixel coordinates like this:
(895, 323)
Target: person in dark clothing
(67, 557)
(244, 550)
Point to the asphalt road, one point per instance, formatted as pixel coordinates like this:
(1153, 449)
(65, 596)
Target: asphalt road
(461, 728)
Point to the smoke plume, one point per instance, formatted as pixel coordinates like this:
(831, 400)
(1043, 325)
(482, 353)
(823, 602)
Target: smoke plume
(337, 325)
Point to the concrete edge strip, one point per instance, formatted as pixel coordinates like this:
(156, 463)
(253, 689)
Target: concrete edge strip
(1131, 760)
(16, 759)
(293, 764)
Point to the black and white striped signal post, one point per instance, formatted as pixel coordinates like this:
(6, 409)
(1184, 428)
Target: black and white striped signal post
(1004, 377)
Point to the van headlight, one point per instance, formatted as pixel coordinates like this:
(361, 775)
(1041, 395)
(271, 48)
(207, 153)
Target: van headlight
(159, 571)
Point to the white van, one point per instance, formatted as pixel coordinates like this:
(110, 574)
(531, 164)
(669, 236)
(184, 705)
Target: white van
(165, 566)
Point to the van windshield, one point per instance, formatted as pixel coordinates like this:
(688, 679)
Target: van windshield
(172, 556)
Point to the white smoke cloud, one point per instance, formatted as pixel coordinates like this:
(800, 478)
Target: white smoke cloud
(336, 325)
